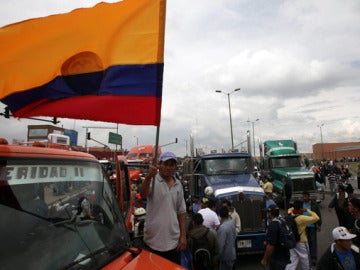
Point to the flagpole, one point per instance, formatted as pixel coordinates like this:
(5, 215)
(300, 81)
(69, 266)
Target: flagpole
(156, 153)
(156, 145)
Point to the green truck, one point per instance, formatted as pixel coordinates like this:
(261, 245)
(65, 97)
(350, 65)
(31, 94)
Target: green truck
(279, 159)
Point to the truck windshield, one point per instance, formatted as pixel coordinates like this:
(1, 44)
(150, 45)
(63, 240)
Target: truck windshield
(227, 166)
(58, 214)
(285, 162)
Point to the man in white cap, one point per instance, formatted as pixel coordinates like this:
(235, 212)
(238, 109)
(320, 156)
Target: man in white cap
(341, 254)
(165, 223)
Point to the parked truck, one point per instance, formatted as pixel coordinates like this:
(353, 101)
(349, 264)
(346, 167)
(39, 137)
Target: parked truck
(58, 211)
(280, 159)
(145, 152)
(230, 176)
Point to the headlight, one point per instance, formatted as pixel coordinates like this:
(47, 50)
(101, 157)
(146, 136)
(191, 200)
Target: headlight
(208, 191)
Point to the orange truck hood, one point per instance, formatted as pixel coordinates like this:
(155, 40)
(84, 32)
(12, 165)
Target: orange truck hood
(145, 260)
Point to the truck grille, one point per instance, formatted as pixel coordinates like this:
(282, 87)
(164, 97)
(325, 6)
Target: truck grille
(251, 215)
(302, 184)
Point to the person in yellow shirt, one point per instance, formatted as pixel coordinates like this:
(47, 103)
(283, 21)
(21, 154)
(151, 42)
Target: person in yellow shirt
(268, 186)
(301, 252)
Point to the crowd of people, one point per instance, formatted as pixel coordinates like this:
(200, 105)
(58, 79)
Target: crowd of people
(343, 253)
(208, 240)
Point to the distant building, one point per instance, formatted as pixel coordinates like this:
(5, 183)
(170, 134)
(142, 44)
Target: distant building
(336, 151)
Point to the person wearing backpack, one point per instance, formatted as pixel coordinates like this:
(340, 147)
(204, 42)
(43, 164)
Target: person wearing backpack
(276, 255)
(340, 203)
(203, 244)
(226, 235)
(301, 252)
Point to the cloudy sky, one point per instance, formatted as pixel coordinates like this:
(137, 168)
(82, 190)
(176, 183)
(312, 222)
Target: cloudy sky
(297, 63)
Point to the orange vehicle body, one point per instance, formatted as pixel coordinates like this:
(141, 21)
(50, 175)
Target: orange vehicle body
(19, 166)
(144, 152)
(147, 261)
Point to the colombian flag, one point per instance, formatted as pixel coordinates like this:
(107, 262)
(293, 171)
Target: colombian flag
(103, 63)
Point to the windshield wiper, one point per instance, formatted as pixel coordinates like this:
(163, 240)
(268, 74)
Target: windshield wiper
(113, 250)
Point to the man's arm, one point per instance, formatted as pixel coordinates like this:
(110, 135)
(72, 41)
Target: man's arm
(268, 251)
(313, 218)
(145, 186)
(182, 240)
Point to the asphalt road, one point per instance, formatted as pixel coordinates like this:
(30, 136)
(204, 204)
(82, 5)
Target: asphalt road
(329, 221)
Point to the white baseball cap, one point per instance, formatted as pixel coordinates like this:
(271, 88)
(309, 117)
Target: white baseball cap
(341, 233)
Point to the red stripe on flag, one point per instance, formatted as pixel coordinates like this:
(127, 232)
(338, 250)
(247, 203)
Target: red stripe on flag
(137, 110)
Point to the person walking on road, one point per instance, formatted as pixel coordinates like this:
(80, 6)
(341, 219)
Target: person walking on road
(226, 235)
(313, 228)
(276, 255)
(301, 252)
(341, 255)
(165, 223)
(332, 182)
(340, 203)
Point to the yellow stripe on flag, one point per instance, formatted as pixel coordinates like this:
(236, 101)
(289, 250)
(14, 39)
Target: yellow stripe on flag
(34, 52)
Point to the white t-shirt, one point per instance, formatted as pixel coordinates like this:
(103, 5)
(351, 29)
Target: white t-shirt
(162, 228)
(211, 219)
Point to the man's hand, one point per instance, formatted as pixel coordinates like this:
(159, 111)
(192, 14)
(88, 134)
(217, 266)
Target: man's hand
(263, 262)
(145, 187)
(152, 171)
(182, 243)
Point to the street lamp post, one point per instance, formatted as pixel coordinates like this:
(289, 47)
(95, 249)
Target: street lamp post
(231, 129)
(137, 140)
(253, 133)
(321, 138)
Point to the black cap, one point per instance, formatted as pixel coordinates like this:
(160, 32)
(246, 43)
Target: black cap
(273, 209)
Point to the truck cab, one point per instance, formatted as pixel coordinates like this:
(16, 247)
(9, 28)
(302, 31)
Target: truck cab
(281, 159)
(145, 152)
(58, 211)
(230, 176)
